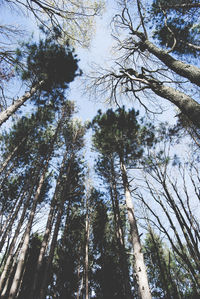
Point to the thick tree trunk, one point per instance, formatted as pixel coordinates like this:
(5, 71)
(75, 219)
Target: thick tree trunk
(139, 265)
(18, 103)
(185, 103)
(191, 72)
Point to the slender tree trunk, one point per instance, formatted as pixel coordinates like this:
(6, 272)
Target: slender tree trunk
(5, 163)
(55, 235)
(139, 265)
(18, 103)
(11, 221)
(20, 265)
(14, 239)
(51, 254)
(120, 234)
(87, 234)
(13, 264)
(48, 229)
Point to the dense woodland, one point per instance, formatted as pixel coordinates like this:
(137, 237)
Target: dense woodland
(126, 223)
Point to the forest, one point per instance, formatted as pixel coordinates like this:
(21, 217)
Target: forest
(109, 207)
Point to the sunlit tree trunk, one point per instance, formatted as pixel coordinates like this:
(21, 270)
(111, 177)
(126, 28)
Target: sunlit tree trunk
(119, 234)
(139, 265)
(87, 234)
(11, 155)
(18, 103)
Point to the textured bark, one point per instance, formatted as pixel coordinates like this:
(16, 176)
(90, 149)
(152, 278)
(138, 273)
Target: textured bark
(139, 265)
(185, 103)
(18, 103)
(191, 72)
(181, 5)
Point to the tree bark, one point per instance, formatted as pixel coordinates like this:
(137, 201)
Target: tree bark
(5, 163)
(191, 72)
(14, 239)
(119, 234)
(18, 103)
(20, 265)
(139, 265)
(185, 103)
(48, 229)
(87, 233)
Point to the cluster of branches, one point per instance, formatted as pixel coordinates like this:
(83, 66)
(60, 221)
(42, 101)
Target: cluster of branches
(143, 70)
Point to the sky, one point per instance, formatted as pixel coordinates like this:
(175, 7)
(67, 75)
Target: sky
(100, 52)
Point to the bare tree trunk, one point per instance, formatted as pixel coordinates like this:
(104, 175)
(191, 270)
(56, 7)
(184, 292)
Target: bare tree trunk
(20, 265)
(120, 234)
(185, 103)
(12, 265)
(18, 103)
(54, 238)
(51, 254)
(139, 265)
(11, 221)
(5, 163)
(48, 229)
(14, 239)
(87, 234)
(191, 72)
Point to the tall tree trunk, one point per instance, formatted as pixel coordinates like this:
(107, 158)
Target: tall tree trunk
(87, 234)
(18, 103)
(185, 103)
(12, 265)
(54, 238)
(20, 265)
(14, 239)
(191, 72)
(120, 234)
(7, 160)
(51, 254)
(139, 265)
(48, 229)
(11, 221)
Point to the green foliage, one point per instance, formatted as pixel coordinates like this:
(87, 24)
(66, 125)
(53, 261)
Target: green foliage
(174, 26)
(49, 62)
(107, 275)
(119, 132)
